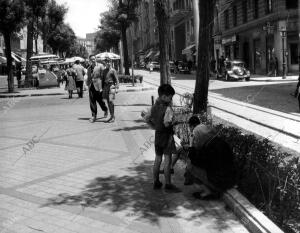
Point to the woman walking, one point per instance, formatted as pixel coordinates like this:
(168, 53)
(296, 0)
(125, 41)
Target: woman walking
(71, 84)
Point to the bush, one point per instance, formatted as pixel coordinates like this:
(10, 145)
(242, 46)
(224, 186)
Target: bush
(128, 78)
(267, 176)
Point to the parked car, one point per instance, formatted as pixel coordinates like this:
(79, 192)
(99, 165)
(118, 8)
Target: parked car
(156, 65)
(172, 67)
(183, 67)
(234, 70)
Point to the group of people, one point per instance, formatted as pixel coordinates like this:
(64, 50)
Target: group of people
(102, 83)
(210, 158)
(74, 77)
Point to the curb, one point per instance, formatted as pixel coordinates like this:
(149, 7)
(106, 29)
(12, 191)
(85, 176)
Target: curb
(50, 94)
(253, 219)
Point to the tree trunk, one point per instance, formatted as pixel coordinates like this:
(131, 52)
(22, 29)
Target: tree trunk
(10, 76)
(29, 53)
(202, 76)
(125, 49)
(161, 12)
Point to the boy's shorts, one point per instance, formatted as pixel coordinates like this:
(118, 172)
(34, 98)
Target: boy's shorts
(164, 144)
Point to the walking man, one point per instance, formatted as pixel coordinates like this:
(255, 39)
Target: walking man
(110, 86)
(94, 83)
(79, 78)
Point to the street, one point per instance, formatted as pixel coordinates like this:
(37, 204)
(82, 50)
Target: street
(60, 173)
(263, 106)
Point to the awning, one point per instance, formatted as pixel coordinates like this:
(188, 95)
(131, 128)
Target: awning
(189, 50)
(18, 56)
(2, 60)
(15, 57)
(157, 54)
(149, 54)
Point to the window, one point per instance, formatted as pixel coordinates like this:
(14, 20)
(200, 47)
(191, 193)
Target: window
(226, 15)
(255, 6)
(234, 13)
(291, 4)
(245, 18)
(269, 6)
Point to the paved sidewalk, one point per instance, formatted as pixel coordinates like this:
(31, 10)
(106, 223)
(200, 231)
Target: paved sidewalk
(124, 87)
(83, 177)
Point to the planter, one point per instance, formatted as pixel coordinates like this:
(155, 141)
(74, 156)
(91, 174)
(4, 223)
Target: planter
(128, 78)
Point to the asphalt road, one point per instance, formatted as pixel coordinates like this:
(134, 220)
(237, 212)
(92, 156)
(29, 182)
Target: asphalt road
(262, 106)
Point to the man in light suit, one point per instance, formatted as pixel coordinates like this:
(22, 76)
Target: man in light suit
(94, 83)
(79, 78)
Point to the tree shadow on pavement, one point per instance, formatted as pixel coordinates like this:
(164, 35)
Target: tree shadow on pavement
(133, 194)
(145, 126)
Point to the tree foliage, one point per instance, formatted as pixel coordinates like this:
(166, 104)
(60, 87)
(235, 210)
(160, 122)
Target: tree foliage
(62, 39)
(118, 18)
(12, 18)
(53, 17)
(106, 39)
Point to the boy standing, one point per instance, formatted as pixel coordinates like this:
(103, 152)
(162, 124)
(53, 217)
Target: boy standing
(161, 119)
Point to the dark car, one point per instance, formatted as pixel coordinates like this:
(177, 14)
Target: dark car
(234, 70)
(183, 67)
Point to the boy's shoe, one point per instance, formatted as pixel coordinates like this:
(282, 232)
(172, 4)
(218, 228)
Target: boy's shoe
(172, 188)
(157, 185)
(92, 120)
(162, 171)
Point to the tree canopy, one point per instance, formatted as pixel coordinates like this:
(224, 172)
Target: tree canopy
(54, 16)
(117, 19)
(12, 17)
(62, 39)
(106, 39)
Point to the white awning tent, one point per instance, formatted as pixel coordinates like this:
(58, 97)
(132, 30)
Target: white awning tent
(149, 54)
(43, 57)
(189, 50)
(14, 56)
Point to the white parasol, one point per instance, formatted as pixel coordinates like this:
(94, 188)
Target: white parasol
(107, 55)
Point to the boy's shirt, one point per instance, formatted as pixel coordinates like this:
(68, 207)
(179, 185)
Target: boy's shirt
(161, 116)
(169, 116)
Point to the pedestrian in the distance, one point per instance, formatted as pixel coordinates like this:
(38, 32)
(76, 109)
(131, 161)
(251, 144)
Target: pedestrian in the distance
(271, 67)
(150, 67)
(79, 78)
(161, 119)
(110, 87)
(297, 92)
(71, 84)
(94, 83)
(275, 67)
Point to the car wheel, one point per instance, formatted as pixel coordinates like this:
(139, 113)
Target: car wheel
(247, 79)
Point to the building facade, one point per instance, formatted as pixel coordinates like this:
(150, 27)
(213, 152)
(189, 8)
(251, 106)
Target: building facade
(182, 33)
(143, 34)
(257, 31)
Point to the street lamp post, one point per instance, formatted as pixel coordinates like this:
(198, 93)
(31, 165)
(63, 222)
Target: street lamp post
(283, 36)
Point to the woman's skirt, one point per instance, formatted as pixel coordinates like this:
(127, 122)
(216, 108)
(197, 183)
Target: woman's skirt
(71, 84)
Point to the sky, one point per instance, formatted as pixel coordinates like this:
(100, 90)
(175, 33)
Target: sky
(83, 15)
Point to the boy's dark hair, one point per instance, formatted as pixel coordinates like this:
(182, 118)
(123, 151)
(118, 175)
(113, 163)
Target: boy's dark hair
(194, 120)
(166, 89)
